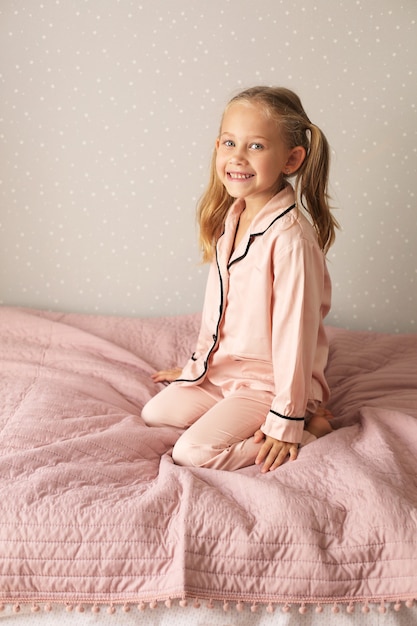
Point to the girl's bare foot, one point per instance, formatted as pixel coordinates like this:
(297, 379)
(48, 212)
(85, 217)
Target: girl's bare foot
(319, 426)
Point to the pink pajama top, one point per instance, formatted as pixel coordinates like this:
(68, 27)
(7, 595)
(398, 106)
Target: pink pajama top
(262, 322)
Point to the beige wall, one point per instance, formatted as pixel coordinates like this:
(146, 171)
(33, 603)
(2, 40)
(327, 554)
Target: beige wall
(109, 109)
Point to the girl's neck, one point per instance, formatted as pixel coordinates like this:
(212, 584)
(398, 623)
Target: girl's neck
(254, 205)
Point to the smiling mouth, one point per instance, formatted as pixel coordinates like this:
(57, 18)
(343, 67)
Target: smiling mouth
(238, 176)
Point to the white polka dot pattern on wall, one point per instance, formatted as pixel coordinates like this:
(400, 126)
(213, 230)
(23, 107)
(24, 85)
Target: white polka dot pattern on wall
(108, 116)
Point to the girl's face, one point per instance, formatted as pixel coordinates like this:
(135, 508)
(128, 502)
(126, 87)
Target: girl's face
(252, 155)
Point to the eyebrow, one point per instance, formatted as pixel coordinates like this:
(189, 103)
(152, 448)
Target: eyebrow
(225, 132)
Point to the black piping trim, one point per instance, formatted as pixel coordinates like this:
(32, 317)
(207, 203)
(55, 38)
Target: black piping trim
(287, 417)
(216, 335)
(253, 235)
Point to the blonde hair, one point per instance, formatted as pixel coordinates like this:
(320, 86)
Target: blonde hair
(311, 184)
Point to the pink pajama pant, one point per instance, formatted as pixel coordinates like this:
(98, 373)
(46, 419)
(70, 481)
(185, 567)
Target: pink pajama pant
(219, 429)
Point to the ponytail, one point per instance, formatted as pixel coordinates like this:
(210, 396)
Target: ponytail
(312, 187)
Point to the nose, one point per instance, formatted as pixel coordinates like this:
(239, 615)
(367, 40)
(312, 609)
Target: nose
(238, 155)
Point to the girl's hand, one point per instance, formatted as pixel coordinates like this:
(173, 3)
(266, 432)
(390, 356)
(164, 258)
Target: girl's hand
(167, 376)
(273, 452)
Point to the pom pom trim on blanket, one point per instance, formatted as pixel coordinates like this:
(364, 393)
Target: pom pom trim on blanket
(349, 606)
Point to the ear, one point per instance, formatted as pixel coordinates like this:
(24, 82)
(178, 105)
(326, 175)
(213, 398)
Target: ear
(295, 160)
(217, 143)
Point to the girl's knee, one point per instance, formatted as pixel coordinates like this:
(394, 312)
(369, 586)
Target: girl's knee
(149, 414)
(181, 454)
(159, 410)
(187, 454)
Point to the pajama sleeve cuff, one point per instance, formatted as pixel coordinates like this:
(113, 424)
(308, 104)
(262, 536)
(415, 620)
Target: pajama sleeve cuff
(283, 427)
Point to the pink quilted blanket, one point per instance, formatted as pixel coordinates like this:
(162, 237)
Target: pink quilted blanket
(94, 511)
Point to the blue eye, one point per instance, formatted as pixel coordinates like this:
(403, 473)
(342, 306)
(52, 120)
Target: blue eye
(228, 143)
(256, 146)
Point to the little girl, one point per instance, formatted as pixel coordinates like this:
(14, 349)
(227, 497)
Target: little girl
(254, 389)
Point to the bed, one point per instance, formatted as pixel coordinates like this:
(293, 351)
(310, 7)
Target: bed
(97, 521)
